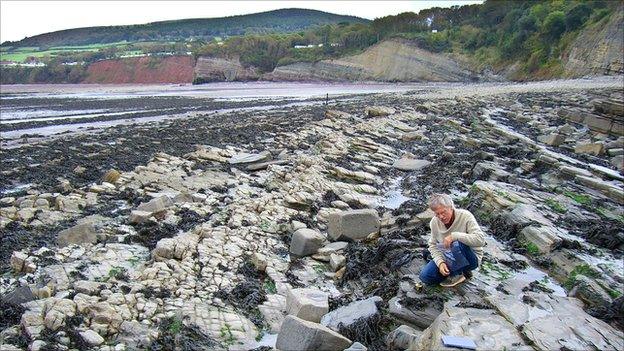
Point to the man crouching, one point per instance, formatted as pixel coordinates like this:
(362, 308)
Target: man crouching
(452, 230)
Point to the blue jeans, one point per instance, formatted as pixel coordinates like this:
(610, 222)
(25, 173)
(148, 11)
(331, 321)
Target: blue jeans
(431, 275)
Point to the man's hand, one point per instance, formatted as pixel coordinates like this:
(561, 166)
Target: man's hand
(447, 242)
(443, 269)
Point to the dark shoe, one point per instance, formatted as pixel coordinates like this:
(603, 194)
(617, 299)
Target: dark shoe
(452, 281)
(468, 274)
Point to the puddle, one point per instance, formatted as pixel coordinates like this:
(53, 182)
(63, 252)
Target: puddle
(532, 274)
(268, 340)
(76, 116)
(16, 189)
(394, 197)
(10, 115)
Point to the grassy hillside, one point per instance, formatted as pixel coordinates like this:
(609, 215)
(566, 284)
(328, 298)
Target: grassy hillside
(284, 20)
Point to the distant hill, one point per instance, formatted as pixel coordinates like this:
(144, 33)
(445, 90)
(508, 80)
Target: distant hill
(277, 21)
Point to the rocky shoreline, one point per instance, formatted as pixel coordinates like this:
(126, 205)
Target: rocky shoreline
(303, 227)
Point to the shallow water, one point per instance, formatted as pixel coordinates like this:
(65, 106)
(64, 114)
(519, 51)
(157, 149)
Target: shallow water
(394, 197)
(46, 110)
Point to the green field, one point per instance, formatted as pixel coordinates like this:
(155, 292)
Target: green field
(20, 54)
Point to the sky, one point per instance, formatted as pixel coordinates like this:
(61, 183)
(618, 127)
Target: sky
(20, 19)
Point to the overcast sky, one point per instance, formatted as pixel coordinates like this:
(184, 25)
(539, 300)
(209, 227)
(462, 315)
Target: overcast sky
(19, 19)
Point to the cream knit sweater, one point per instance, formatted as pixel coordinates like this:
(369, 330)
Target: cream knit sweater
(464, 229)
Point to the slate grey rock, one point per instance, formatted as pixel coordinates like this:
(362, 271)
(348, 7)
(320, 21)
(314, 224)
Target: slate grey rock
(353, 225)
(305, 242)
(307, 303)
(298, 334)
(156, 205)
(249, 158)
(18, 296)
(85, 233)
(402, 337)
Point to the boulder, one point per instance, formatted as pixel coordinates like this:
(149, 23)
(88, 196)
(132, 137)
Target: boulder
(18, 296)
(347, 315)
(156, 205)
(551, 139)
(353, 225)
(137, 216)
(596, 149)
(379, 111)
(402, 337)
(259, 261)
(298, 334)
(85, 233)
(111, 176)
(305, 242)
(21, 262)
(410, 164)
(307, 303)
(92, 338)
(179, 247)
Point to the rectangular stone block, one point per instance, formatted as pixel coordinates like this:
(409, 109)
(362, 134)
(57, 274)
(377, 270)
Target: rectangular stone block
(572, 115)
(617, 128)
(297, 334)
(353, 225)
(305, 242)
(307, 303)
(156, 205)
(597, 123)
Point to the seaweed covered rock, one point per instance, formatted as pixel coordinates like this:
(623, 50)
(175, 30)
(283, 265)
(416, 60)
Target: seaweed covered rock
(402, 337)
(420, 311)
(347, 315)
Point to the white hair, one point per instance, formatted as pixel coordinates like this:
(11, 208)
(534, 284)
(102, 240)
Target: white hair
(440, 200)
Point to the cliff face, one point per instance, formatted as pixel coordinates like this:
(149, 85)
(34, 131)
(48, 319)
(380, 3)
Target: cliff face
(209, 69)
(599, 49)
(171, 69)
(391, 60)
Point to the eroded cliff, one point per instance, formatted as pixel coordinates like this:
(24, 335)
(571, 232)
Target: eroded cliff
(599, 49)
(390, 60)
